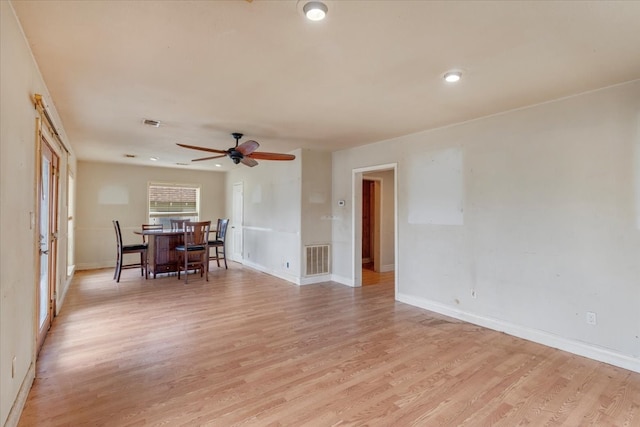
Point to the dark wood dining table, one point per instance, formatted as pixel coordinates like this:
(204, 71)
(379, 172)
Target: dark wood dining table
(162, 256)
(161, 253)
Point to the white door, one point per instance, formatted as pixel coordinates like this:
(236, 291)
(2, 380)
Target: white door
(236, 222)
(48, 200)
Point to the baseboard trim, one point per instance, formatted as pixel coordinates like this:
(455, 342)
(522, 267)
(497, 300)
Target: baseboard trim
(21, 399)
(387, 268)
(576, 347)
(342, 280)
(312, 280)
(94, 266)
(291, 279)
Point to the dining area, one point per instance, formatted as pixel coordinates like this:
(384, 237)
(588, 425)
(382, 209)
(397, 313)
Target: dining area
(185, 246)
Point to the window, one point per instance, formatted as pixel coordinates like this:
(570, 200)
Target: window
(173, 201)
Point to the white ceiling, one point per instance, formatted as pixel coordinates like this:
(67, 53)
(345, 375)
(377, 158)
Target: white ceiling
(372, 70)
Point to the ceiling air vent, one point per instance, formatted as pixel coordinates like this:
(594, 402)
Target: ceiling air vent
(149, 122)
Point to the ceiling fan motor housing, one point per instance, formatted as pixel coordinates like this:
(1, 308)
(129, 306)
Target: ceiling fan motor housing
(236, 156)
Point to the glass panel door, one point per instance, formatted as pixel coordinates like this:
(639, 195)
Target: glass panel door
(48, 200)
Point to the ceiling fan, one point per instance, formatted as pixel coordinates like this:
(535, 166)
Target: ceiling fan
(244, 153)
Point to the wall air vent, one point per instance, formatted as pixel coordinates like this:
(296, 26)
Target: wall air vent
(317, 260)
(149, 122)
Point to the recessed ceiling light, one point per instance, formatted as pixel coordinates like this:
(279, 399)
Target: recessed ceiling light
(452, 76)
(153, 123)
(315, 10)
(182, 164)
(153, 158)
(218, 165)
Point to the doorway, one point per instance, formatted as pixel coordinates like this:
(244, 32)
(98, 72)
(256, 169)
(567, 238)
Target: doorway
(236, 221)
(371, 223)
(48, 237)
(375, 225)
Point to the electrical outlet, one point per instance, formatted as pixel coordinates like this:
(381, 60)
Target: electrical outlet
(591, 318)
(473, 294)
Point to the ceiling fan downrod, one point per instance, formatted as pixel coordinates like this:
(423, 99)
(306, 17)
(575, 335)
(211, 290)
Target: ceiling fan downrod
(235, 155)
(237, 137)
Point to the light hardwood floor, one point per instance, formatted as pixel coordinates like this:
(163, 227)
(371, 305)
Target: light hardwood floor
(248, 349)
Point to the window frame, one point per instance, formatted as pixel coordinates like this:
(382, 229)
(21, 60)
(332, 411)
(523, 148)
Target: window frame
(165, 217)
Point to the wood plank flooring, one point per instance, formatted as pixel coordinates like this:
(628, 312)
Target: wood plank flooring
(248, 349)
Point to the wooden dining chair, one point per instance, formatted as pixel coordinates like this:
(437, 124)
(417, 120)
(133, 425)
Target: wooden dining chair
(150, 227)
(193, 251)
(217, 247)
(123, 250)
(177, 224)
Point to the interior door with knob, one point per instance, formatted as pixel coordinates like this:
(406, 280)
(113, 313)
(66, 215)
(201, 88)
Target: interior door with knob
(236, 221)
(48, 233)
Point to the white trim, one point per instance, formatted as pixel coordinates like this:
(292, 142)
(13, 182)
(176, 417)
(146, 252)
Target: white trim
(288, 278)
(63, 294)
(572, 346)
(354, 256)
(312, 280)
(95, 266)
(342, 280)
(387, 267)
(21, 398)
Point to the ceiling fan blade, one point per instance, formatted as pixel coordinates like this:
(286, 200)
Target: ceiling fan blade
(262, 155)
(209, 158)
(210, 150)
(248, 147)
(249, 162)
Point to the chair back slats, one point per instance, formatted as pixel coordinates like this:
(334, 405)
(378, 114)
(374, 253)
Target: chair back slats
(140, 249)
(196, 233)
(150, 227)
(217, 250)
(221, 231)
(116, 226)
(177, 224)
(194, 244)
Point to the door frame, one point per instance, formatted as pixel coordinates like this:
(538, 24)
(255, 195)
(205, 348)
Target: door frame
(237, 230)
(356, 221)
(45, 141)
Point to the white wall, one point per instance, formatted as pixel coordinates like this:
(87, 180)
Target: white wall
(535, 210)
(20, 79)
(286, 205)
(315, 207)
(271, 225)
(316, 197)
(108, 191)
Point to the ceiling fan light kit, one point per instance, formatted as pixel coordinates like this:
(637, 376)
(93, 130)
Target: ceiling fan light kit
(315, 10)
